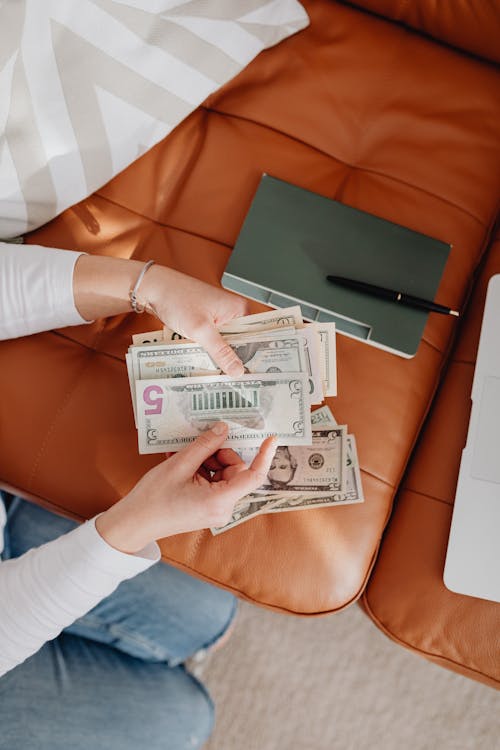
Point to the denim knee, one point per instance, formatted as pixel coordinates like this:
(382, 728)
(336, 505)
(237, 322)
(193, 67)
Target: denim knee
(29, 526)
(202, 715)
(79, 694)
(162, 615)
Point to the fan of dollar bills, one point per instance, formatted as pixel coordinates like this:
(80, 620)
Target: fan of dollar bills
(177, 392)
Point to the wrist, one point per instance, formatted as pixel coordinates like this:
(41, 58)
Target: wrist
(121, 531)
(101, 285)
(156, 278)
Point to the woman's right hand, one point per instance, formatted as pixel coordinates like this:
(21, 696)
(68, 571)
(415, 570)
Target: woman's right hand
(195, 488)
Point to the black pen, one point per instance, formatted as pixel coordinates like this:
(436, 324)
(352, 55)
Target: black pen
(391, 294)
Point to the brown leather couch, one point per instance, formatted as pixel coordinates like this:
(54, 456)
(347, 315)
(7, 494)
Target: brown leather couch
(401, 122)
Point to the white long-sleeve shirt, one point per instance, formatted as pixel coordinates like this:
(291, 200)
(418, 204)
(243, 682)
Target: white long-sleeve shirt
(51, 586)
(36, 289)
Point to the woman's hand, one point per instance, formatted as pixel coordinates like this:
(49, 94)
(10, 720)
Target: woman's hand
(196, 488)
(101, 287)
(196, 310)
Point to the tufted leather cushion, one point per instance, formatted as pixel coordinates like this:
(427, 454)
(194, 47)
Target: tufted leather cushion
(469, 25)
(406, 596)
(355, 109)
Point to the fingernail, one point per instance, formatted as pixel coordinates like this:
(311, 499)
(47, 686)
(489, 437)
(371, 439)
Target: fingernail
(219, 428)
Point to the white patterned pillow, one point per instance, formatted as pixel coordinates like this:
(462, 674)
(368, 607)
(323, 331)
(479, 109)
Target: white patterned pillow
(87, 86)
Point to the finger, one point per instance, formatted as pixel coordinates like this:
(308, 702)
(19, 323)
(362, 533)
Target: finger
(213, 464)
(229, 472)
(205, 474)
(228, 457)
(239, 306)
(248, 480)
(190, 459)
(262, 461)
(220, 351)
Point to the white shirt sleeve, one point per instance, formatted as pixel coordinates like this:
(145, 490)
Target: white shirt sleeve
(36, 289)
(51, 586)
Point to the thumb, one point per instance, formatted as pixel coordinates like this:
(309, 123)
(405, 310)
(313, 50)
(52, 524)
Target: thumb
(243, 482)
(220, 351)
(192, 456)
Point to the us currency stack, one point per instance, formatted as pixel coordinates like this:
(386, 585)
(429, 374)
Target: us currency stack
(178, 391)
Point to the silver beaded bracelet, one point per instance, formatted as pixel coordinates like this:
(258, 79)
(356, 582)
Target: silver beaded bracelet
(136, 305)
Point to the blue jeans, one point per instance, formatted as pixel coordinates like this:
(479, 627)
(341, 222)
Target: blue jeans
(114, 680)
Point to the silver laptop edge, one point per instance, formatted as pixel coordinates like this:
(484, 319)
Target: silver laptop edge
(473, 557)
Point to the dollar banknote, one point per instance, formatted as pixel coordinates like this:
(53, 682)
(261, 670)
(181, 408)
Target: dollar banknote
(353, 492)
(272, 333)
(325, 356)
(280, 502)
(167, 336)
(263, 352)
(328, 356)
(278, 350)
(322, 417)
(258, 354)
(287, 316)
(312, 350)
(150, 337)
(265, 321)
(172, 412)
(131, 382)
(245, 344)
(321, 353)
(326, 456)
(248, 507)
(319, 467)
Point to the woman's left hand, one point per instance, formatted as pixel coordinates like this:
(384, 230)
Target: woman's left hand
(101, 287)
(195, 310)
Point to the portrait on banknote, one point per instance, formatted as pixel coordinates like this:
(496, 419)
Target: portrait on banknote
(283, 468)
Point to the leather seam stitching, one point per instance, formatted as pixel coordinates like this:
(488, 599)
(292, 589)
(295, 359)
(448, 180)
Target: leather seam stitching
(162, 223)
(406, 488)
(88, 347)
(353, 167)
(385, 629)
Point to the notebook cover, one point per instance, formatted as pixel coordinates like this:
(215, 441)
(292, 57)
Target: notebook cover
(292, 239)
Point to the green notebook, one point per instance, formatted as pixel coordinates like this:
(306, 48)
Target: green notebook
(292, 239)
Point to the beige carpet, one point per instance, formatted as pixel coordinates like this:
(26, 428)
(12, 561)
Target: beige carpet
(337, 683)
